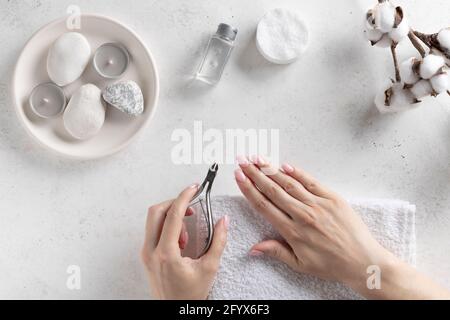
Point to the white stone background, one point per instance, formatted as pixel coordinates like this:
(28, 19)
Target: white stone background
(55, 212)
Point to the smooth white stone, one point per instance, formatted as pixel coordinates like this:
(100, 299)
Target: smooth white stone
(67, 58)
(85, 113)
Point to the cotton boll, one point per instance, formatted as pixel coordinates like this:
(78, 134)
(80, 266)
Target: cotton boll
(444, 39)
(401, 100)
(401, 32)
(440, 83)
(385, 42)
(384, 14)
(85, 112)
(431, 65)
(67, 58)
(407, 72)
(373, 35)
(422, 89)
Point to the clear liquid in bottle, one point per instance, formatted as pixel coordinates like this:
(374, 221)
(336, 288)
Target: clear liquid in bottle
(217, 54)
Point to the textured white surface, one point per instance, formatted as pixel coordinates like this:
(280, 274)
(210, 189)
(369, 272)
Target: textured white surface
(244, 277)
(55, 213)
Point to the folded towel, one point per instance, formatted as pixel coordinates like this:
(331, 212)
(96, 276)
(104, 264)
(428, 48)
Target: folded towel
(243, 277)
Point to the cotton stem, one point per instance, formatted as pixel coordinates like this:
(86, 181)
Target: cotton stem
(394, 57)
(416, 44)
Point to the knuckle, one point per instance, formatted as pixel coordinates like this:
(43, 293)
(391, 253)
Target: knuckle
(311, 185)
(275, 252)
(261, 204)
(289, 187)
(272, 191)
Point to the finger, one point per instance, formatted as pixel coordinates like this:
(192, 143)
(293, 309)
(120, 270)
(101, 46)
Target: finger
(273, 191)
(155, 221)
(184, 237)
(269, 211)
(294, 188)
(174, 218)
(212, 257)
(310, 183)
(277, 250)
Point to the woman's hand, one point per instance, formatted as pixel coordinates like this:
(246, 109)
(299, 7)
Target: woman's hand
(323, 235)
(171, 275)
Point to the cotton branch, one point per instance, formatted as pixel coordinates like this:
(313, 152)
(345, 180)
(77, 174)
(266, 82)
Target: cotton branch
(394, 57)
(431, 40)
(416, 44)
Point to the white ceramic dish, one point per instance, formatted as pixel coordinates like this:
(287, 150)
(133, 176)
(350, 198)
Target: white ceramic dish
(119, 129)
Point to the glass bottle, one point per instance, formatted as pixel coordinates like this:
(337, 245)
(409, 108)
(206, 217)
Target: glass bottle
(217, 53)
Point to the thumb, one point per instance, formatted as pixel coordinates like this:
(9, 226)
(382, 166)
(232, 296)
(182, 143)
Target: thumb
(277, 250)
(213, 255)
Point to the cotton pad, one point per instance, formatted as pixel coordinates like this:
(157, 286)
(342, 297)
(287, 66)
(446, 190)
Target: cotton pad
(67, 58)
(281, 36)
(85, 113)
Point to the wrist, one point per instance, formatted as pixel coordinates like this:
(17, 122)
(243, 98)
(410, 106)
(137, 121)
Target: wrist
(375, 276)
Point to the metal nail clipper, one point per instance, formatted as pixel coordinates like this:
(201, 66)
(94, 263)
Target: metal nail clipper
(206, 186)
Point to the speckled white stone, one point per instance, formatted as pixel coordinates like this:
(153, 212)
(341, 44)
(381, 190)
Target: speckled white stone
(125, 96)
(56, 212)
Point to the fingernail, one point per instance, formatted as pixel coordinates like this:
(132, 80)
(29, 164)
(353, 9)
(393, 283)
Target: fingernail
(184, 236)
(287, 168)
(226, 221)
(261, 161)
(254, 159)
(194, 186)
(239, 175)
(242, 161)
(255, 253)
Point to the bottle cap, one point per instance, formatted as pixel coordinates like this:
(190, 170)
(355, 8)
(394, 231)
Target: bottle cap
(226, 31)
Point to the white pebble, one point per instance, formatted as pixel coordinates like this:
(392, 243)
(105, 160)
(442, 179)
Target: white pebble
(67, 58)
(407, 73)
(440, 83)
(85, 113)
(444, 38)
(384, 14)
(281, 36)
(401, 100)
(422, 89)
(431, 65)
(401, 32)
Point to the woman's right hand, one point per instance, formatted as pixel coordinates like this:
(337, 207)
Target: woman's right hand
(323, 235)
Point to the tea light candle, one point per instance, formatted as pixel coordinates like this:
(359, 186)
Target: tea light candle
(111, 60)
(47, 100)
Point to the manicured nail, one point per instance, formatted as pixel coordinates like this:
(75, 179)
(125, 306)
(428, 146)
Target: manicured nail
(194, 186)
(287, 168)
(254, 159)
(226, 221)
(184, 237)
(255, 253)
(260, 161)
(242, 161)
(239, 175)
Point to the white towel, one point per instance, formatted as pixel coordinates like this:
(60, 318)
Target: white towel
(243, 277)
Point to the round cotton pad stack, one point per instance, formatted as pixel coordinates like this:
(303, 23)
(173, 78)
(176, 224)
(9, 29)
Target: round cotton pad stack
(282, 36)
